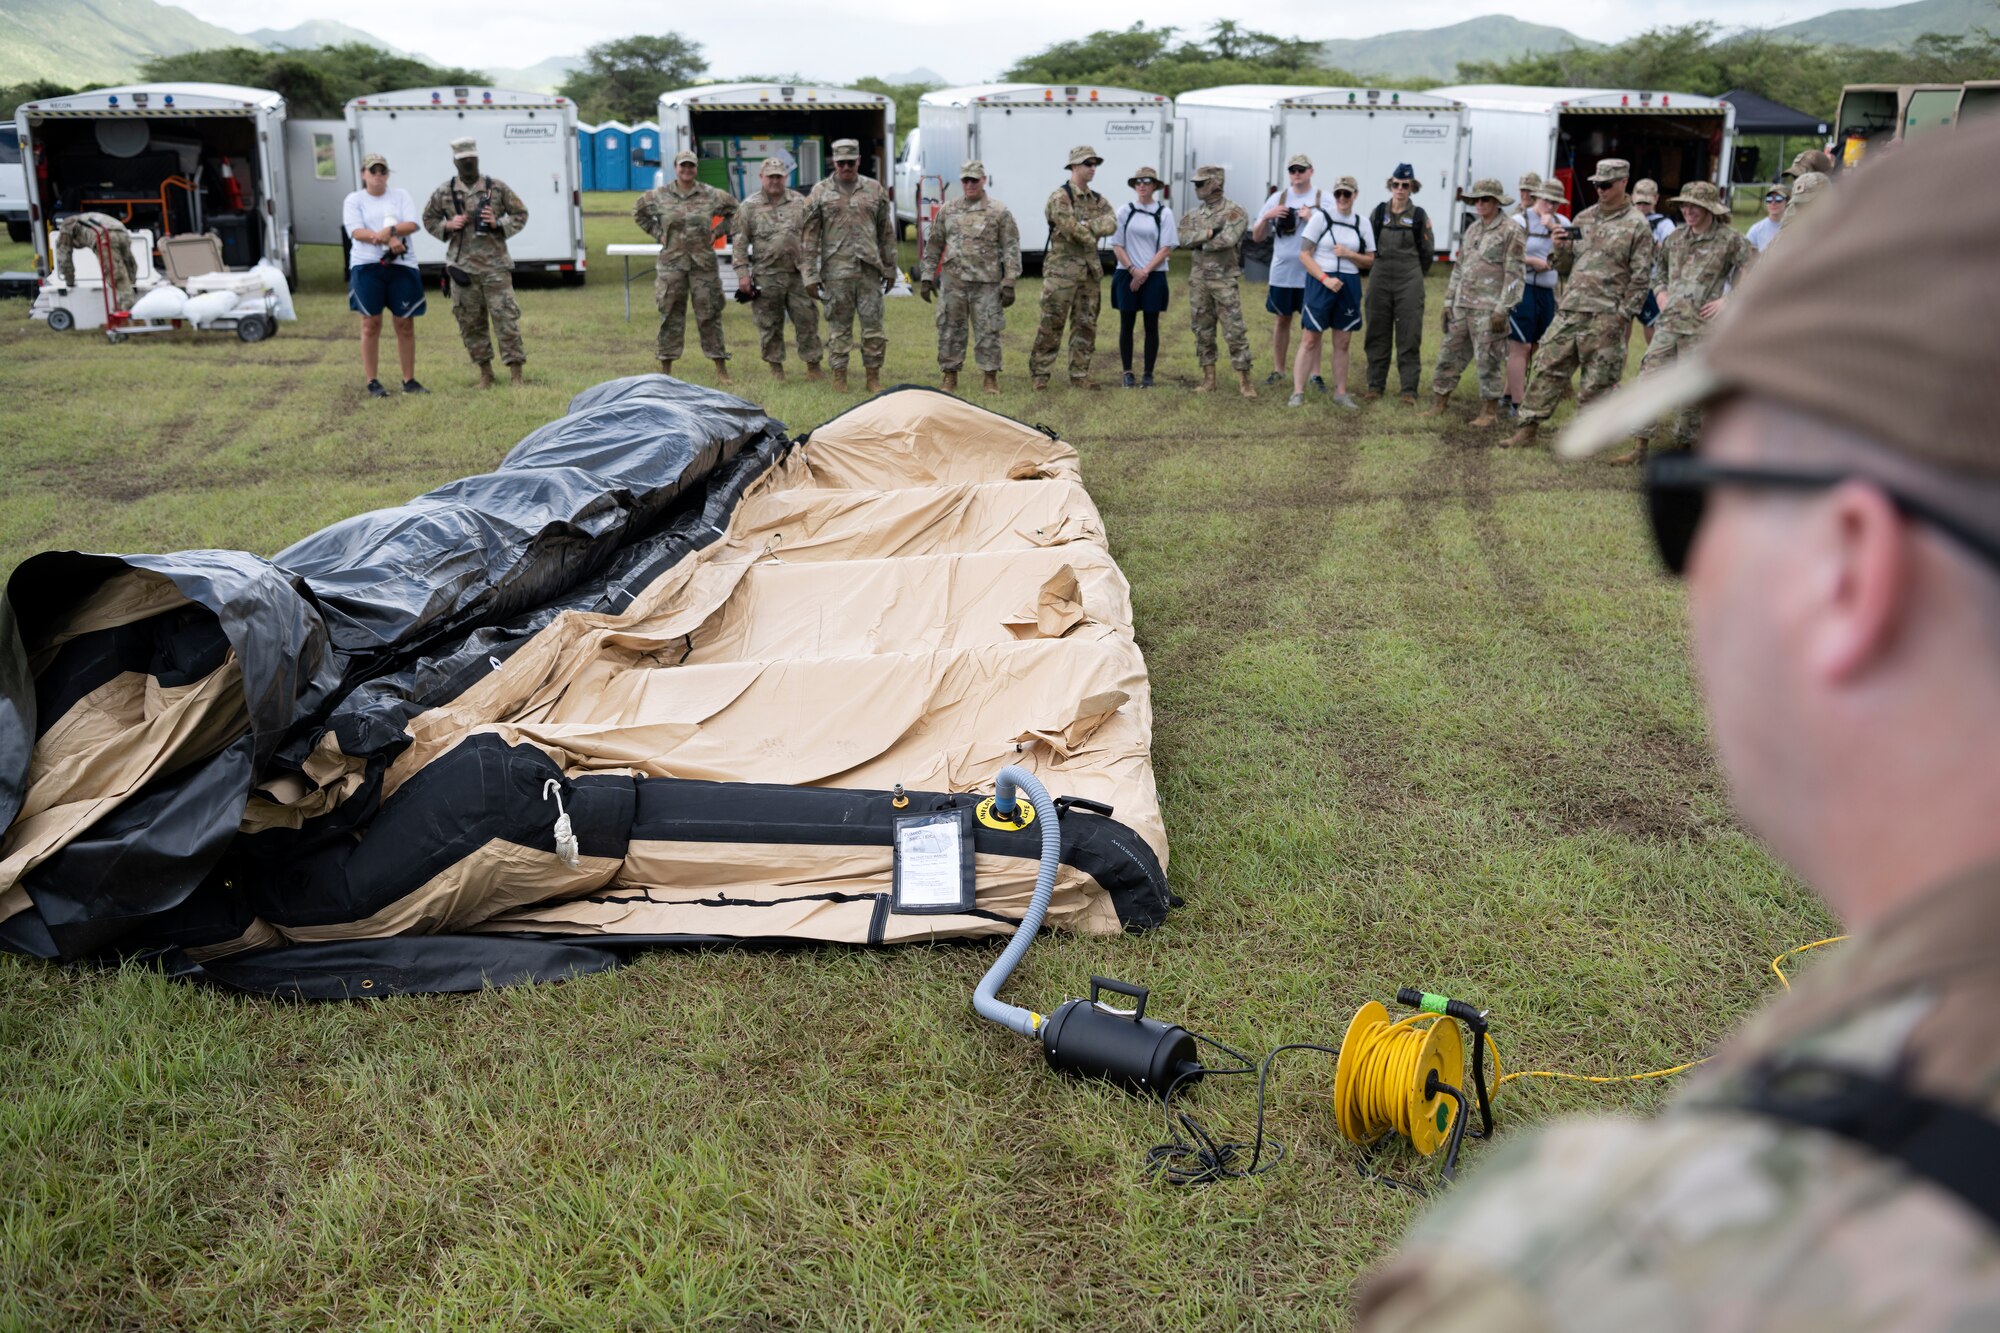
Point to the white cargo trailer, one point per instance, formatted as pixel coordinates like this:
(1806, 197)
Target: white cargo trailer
(321, 173)
(13, 185)
(1023, 133)
(525, 139)
(1673, 138)
(171, 158)
(733, 127)
(1252, 129)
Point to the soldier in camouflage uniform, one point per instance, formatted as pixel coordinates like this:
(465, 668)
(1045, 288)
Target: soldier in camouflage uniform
(1210, 232)
(1700, 260)
(974, 248)
(850, 247)
(1806, 191)
(1485, 286)
(766, 249)
(1811, 160)
(687, 217)
(80, 231)
(1072, 271)
(477, 262)
(1831, 1169)
(1604, 288)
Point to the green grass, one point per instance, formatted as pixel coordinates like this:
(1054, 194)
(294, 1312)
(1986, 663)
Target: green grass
(1423, 718)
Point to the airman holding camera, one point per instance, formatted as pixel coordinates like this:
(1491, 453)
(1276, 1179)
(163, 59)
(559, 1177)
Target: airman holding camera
(473, 215)
(1290, 206)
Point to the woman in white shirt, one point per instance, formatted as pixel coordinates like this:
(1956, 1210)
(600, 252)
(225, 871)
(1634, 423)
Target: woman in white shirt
(1335, 247)
(1143, 241)
(1766, 227)
(1531, 318)
(381, 271)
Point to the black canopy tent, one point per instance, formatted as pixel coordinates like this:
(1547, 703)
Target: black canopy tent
(1759, 117)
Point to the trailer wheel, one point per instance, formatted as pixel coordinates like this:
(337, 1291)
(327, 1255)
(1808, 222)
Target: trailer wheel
(61, 320)
(18, 231)
(114, 338)
(574, 277)
(253, 329)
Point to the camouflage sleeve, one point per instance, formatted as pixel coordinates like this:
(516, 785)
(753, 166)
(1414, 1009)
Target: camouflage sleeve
(1514, 273)
(885, 232)
(1426, 246)
(646, 214)
(1746, 255)
(1064, 222)
(1103, 220)
(1457, 272)
(1562, 254)
(1663, 267)
(65, 262)
(809, 239)
(1010, 248)
(723, 204)
(435, 213)
(1638, 272)
(513, 213)
(739, 240)
(934, 244)
(1229, 230)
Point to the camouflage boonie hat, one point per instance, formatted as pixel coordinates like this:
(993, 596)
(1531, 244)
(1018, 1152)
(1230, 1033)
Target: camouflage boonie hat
(1347, 183)
(1553, 192)
(1210, 172)
(1529, 182)
(1490, 188)
(1144, 174)
(1808, 187)
(462, 148)
(775, 166)
(686, 157)
(1811, 160)
(1703, 194)
(1298, 160)
(847, 150)
(1084, 155)
(1611, 169)
(973, 170)
(1645, 188)
(374, 160)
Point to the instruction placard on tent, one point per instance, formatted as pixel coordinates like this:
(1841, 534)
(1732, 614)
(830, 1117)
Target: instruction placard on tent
(933, 862)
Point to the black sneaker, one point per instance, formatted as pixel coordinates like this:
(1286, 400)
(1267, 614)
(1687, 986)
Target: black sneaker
(1129, 381)
(1318, 384)
(1145, 381)
(375, 389)
(411, 386)
(1273, 378)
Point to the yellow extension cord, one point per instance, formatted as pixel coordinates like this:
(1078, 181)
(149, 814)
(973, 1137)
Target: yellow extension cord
(1382, 1071)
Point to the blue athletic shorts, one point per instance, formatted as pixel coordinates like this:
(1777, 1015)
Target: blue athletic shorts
(1339, 311)
(1528, 321)
(1284, 300)
(372, 287)
(1651, 310)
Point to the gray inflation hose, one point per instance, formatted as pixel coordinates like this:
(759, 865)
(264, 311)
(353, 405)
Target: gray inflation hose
(986, 1000)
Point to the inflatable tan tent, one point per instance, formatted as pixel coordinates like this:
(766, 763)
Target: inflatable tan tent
(665, 677)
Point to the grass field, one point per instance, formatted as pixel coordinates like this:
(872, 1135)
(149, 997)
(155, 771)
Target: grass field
(1423, 718)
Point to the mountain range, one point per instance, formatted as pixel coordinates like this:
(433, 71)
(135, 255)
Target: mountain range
(1434, 53)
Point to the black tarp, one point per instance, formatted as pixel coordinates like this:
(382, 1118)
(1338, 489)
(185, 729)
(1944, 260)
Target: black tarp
(1760, 115)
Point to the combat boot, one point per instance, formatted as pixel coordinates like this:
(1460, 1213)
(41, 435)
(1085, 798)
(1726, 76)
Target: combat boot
(516, 375)
(1489, 414)
(840, 379)
(992, 384)
(666, 366)
(1207, 384)
(1243, 385)
(874, 379)
(722, 370)
(949, 381)
(1041, 383)
(1523, 438)
(812, 372)
(777, 370)
(1435, 408)
(1631, 457)
(485, 374)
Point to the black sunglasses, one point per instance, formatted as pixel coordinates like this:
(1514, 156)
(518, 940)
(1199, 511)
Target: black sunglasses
(1343, 194)
(1298, 170)
(378, 171)
(1677, 496)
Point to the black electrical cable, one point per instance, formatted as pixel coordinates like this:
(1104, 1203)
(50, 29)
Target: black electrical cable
(1201, 1158)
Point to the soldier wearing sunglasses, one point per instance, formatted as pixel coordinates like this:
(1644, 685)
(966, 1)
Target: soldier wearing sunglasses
(1837, 529)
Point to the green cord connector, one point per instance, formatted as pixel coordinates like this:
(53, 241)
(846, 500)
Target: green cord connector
(1434, 1004)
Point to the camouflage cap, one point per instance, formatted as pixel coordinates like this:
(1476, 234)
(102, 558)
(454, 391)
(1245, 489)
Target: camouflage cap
(464, 148)
(687, 157)
(1145, 174)
(847, 150)
(1645, 188)
(1611, 169)
(1779, 191)
(1529, 181)
(774, 166)
(1489, 188)
(1298, 160)
(1703, 194)
(1084, 155)
(973, 170)
(374, 160)
(1812, 159)
(1207, 172)
(1856, 325)
(1347, 183)
(1808, 188)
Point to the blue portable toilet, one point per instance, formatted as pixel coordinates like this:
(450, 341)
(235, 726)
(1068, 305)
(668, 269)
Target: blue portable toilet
(586, 155)
(614, 156)
(645, 155)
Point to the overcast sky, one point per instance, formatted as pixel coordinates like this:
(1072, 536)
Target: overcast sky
(843, 39)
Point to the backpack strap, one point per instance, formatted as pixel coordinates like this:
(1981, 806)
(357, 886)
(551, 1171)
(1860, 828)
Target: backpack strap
(1952, 1147)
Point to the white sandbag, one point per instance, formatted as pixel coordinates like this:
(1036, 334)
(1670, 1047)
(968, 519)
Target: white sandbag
(281, 291)
(209, 306)
(164, 302)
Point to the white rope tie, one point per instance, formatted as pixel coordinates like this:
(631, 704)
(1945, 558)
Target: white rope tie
(567, 846)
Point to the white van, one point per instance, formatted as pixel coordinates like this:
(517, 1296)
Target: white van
(13, 185)
(525, 139)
